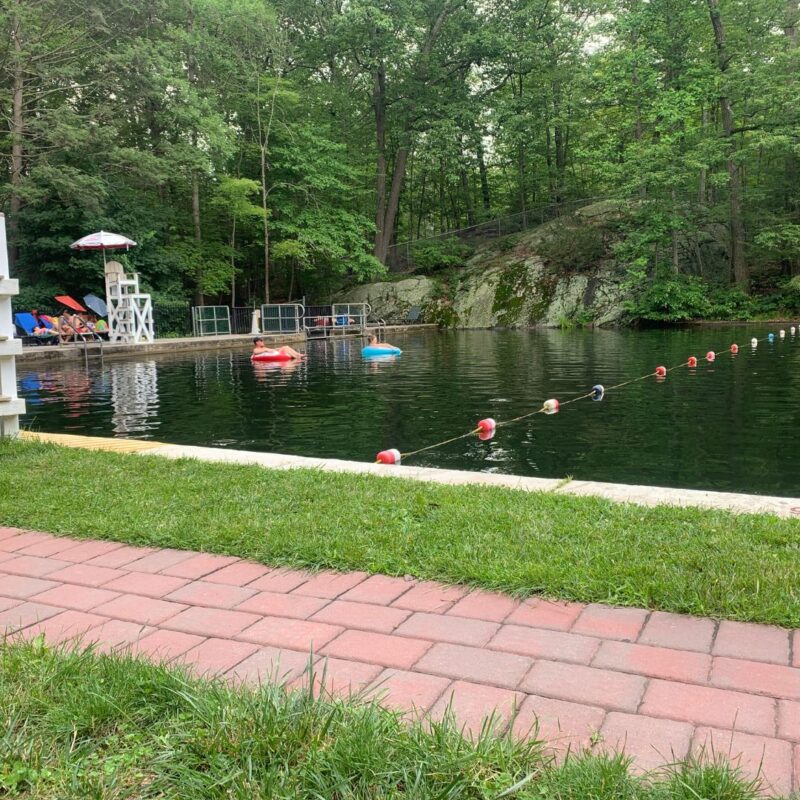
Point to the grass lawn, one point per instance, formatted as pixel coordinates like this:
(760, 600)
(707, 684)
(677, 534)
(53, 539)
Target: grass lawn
(744, 567)
(82, 726)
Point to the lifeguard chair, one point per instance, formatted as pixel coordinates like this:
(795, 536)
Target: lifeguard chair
(130, 312)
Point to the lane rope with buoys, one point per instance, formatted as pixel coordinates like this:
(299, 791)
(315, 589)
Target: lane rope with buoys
(486, 428)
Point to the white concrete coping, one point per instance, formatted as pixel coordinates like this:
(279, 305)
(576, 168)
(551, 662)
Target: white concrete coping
(786, 507)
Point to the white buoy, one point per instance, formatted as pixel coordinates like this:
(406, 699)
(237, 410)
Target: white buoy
(754, 342)
(782, 333)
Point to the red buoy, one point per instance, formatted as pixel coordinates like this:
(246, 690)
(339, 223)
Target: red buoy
(661, 372)
(485, 436)
(388, 457)
(487, 425)
(692, 362)
(551, 406)
(710, 356)
(734, 348)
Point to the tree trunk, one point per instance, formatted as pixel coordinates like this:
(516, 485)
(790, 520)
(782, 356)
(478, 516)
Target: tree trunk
(737, 230)
(390, 217)
(263, 144)
(791, 20)
(199, 298)
(485, 195)
(675, 249)
(233, 263)
(17, 146)
(701, 185)
(379, 107)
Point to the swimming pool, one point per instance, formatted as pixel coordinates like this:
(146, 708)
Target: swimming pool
(731, 425)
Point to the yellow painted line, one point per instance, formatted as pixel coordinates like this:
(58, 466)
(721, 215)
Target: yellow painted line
(91, 442)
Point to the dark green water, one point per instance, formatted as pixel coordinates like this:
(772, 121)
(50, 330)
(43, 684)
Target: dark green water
(732, 425)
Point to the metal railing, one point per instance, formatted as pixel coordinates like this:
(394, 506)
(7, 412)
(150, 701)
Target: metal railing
(336, 319)
(95, 337)
(282, 318)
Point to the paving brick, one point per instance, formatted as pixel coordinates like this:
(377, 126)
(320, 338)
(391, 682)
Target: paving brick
(22, 586)
(703, 705)
(121, 557)
(215, 656)
(33, 566)
(340, 677)
(85, 574)
(579, 684)
(163, 645)
(403, 690)
(67, 627)
(678, 631)
(378, 589)
(22, 539)
(362, 616)
(475, 706)
(79, 598)
(7, 556)
(475, 664)
(769, 760)
(199, 565)
(611, 623)
(489, 606)
(6, 533)
(211, 621)
(377, 648)
(280, 580)
(25, 614)
(330, 584)
(796, 649)
(146, 583)
(430, 596)
(789, 721)
(217, 595)
(753, 642)
(651, 742)
(83, 551)
(8, 602)
(275, 604)
(271, 665)
(544, 643)
(655, 662)
(797, 768)
(294, 634)
(239, 574)
(540, 613)
(159, 559)
(115, 634)
(566, 727)
(49, 547)
(756, 677)
(145, 610)
(444, 628)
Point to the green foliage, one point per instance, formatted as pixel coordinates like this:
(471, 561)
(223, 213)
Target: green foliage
(435, 255)
(572, 248)
(671, 299)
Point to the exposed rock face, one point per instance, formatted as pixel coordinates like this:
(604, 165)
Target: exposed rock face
(510, 283)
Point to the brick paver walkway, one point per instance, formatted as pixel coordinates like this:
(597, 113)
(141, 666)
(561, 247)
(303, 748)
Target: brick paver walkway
(660, 685)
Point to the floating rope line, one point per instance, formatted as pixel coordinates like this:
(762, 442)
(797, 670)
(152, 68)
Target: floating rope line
(486, 427)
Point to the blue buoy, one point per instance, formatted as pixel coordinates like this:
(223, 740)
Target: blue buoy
(771, 337)
(597, 392)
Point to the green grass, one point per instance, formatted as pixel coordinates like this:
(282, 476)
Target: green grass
(78, 725)
(744, 567)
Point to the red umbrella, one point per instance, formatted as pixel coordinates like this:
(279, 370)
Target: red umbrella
(67, 301)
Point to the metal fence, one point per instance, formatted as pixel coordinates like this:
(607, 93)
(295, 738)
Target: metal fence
(401, 256)
(211, 320)
(282, 318)
(172, 319)
(242, 319)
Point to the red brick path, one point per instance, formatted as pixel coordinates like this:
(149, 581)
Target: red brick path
(660, 685)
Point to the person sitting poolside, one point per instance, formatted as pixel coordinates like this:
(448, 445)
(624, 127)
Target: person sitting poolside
(373, 342)
(260, 347)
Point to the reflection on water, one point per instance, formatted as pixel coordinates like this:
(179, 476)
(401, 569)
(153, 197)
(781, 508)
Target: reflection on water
(733, 424)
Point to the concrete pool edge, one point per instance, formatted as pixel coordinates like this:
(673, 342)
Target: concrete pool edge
(785, 507)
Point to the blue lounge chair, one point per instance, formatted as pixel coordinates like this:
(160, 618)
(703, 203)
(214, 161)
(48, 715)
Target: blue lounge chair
(26, 322)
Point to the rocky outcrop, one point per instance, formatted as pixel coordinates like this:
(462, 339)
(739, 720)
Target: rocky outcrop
(519, 281)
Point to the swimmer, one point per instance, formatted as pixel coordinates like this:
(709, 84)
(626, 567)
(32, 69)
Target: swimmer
(373, 342)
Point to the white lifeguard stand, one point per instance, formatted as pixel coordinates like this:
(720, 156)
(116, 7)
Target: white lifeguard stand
(130, 312)
(11, 406)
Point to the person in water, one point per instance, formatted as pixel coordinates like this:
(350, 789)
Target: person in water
(260, 347)
(373, 342)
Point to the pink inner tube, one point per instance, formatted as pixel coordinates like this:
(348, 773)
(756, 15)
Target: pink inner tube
(271, 355)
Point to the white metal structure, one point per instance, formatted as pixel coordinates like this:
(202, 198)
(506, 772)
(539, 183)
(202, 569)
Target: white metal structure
(130, 312)
(282, 317)
(211, 320)
(11, 406)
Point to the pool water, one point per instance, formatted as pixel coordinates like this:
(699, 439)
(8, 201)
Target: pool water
(732, 425)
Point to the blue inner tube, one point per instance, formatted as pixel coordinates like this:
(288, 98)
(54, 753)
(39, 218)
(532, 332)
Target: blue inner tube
(381, 351)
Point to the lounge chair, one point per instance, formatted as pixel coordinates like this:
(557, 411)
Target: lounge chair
(26, 322)
(414, 315)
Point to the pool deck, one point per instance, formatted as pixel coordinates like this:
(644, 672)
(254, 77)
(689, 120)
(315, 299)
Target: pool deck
(657, 686)
(66, 353)
(786, 507)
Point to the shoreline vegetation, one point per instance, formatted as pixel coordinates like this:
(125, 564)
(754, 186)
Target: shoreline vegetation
(80, 724)
(685, 560)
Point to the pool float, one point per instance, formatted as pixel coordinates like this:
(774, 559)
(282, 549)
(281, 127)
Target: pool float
(270, 355)
(369, 350)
